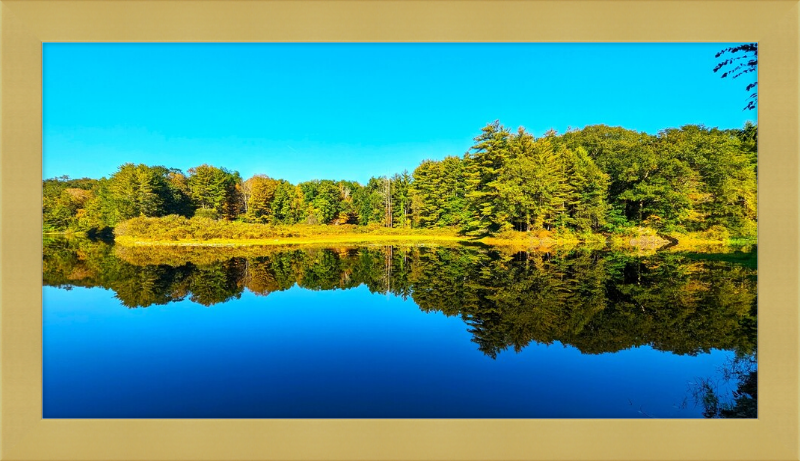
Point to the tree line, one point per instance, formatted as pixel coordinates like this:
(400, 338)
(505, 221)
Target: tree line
(597, 179)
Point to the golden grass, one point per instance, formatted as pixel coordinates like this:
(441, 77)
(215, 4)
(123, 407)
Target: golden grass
(522, 242)
(510, 241)
(306, 240)
(177, 231)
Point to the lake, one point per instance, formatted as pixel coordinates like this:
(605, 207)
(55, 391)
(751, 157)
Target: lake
(389, 332)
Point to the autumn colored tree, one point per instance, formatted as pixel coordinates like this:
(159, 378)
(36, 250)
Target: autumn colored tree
(258, 194)
(64, 202)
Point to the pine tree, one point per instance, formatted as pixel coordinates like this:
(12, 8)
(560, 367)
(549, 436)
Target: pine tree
(426, 196)
(138, 190)
(482, 168)
(532, 187)
(401, 200)
(586, 205)
(216, 189)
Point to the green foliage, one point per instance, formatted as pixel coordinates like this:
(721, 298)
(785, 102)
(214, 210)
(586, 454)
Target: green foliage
(587, 205)
(437, 191)
(65, 202)
(689, 178)
(748, 136)
(682, 180)
(137, 190)
(348, 211)
(532, 187)
(322, 200)
(537, 184)
(725, 189)
(215, 188)
(370, 202)
(206, 213)
(287, 205)
(133, 190)
(400, 200)
(177, 197)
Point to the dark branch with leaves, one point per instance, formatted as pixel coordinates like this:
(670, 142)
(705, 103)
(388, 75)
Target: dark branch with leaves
(737, 65)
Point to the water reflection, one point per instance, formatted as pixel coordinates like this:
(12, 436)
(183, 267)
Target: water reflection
(595, 301)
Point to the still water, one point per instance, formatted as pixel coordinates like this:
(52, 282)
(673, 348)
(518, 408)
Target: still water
(388, 332)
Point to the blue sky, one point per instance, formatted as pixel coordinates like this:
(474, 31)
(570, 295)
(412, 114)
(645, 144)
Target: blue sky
(351, 111)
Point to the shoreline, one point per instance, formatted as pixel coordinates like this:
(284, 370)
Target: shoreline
(526, 242)
(311, 240)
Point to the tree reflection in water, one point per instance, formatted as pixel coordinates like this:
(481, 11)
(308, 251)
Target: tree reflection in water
(595, 301)
(718, 400)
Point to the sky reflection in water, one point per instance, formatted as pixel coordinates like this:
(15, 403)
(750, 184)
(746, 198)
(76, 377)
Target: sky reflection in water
(341, 353)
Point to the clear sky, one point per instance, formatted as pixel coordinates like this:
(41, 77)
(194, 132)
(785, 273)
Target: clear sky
(351, 111)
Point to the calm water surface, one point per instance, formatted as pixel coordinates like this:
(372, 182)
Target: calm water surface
(387, 332)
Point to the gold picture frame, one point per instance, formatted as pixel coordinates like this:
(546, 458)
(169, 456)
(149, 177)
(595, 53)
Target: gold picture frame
(26, 24)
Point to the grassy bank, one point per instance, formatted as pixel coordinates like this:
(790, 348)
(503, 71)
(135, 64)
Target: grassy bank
(177, 230)
(300, 240)
(180, 231)
(66, 233)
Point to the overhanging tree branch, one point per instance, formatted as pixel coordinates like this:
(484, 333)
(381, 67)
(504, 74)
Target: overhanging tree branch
(742, 64)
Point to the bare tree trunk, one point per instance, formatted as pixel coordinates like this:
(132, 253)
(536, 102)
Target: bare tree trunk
(388, 202)
(246, 192)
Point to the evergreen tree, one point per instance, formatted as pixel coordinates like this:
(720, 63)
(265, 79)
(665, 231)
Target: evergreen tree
(748, 135)
(437, 193)
(287, 205)
(425, 191)
(586, 206)
(216, 189)
(401, 200)
(321, 200)
(532, 189)
(481, 171)
(135, 191)
(370, 202)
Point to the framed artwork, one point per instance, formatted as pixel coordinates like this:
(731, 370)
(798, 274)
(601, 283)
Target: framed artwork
(314, 230)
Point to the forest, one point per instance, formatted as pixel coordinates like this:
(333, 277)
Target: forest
(598, 179)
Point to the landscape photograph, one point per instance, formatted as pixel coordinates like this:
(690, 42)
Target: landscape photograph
(400, 230)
